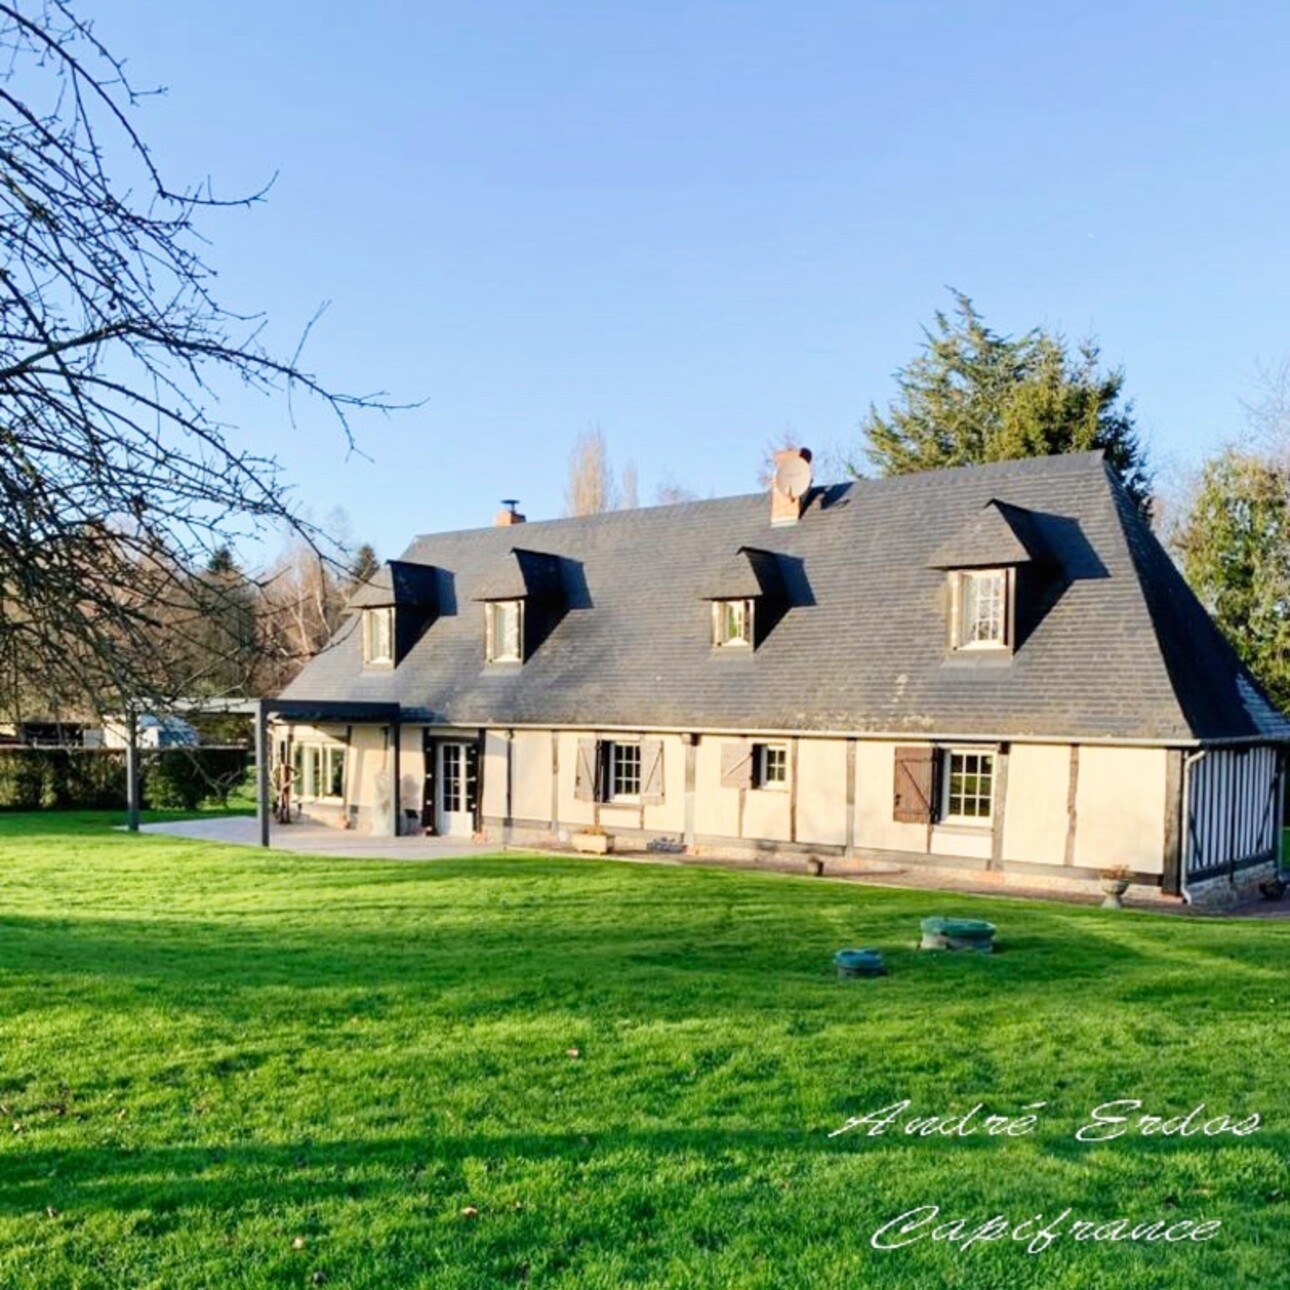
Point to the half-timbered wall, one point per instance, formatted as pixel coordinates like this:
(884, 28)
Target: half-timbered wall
(1233, 810)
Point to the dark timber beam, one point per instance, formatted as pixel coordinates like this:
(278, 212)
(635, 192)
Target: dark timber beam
(262, 770)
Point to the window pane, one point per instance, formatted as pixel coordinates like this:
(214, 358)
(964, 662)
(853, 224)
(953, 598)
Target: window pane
(504, 617)
(971, 786)
(336, 787)
(626, 780)
(734, 622)
(378, 635)
(984, 608)
(774, 764)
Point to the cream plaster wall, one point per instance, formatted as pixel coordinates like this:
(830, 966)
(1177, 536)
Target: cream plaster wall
(822, 791)
(531, 775)
(1120, 808)
(716, 809)
(875, 788)
(1035, 817)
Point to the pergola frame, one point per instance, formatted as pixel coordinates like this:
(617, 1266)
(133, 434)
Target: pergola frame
(315, 711)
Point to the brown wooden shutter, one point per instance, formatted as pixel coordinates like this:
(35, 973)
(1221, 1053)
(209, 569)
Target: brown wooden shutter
(651, 771)
(736, 763)
(586, 780)
(915, 785)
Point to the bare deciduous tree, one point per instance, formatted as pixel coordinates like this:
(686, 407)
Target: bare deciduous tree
(116, 477)
(590, 488)
(670, 491)
(629, 488)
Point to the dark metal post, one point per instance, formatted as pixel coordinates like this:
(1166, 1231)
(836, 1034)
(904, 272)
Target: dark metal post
(262, 770)
(132, 770)
(395, 805)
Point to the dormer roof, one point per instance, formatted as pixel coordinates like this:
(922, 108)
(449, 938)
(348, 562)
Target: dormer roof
(998, 536)
(398, 583)
(749, 573)
(523, 575)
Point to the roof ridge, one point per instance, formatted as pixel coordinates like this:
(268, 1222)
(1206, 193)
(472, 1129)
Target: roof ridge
(1073, 462)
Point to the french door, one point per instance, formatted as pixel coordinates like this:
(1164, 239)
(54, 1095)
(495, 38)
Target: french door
(457, 787)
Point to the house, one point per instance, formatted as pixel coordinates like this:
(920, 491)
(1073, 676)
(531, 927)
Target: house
(152, 730)
(47, 732)
(992, 668)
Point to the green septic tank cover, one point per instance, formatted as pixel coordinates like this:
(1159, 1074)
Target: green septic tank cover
(966, 929)
(859, 962)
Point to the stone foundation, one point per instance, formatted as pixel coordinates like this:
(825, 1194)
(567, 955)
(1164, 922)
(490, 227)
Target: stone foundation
(945, 872)
(1228, 890)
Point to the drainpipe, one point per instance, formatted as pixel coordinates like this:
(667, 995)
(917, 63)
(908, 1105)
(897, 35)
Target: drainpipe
(1279, 839)
(1188, 763)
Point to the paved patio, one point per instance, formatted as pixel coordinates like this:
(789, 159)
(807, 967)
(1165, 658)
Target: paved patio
(317, 839)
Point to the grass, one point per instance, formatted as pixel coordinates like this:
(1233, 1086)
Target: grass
(220, 1067)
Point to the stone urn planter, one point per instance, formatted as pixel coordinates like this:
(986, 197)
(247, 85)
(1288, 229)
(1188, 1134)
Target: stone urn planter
(957, 934)
(1115, 882)
(591, 844)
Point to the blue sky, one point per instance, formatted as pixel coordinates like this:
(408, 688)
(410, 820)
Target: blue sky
(699, 225)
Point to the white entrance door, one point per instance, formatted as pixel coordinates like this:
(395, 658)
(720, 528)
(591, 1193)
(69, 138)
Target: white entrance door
(457, 768)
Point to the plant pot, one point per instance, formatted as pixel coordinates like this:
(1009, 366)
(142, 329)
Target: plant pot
(591, 844)
(1115, 889)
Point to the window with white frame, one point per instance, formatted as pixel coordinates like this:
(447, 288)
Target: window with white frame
(378, 635)
(624, 772)
(503, 622)
(982, 609)
(772, 766)
(732, 623)
(319, 771)
(968, 787)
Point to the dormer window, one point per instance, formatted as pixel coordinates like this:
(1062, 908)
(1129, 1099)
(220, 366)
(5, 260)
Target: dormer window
(396, 606)
(982, 609)
(378, 636)
(504, 631)
(732, 624)
(995, 564)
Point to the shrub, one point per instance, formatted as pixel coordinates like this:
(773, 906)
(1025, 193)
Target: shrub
(93, 779)
(186, 777)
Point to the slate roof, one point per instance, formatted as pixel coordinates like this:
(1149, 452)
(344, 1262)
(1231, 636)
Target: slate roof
(1121, 650)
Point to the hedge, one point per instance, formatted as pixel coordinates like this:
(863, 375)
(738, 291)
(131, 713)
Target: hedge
(93, 779)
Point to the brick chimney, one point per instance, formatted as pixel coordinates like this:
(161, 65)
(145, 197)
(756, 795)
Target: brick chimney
(791, 483)
(510, 515)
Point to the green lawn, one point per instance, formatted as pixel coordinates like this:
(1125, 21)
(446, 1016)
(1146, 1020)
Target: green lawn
(224, 1068)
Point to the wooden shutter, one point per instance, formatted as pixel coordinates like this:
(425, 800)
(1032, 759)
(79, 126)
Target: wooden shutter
(586, 782)
(651, 771)
(736, 763)
(915, 785)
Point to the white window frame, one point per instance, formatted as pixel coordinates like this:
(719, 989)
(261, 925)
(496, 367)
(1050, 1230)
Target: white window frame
(373, 656)
(947, 772)
(744, 613)
(313, 783)
(962, 579)
(500, 651)
(613, 753)
(763, 766)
